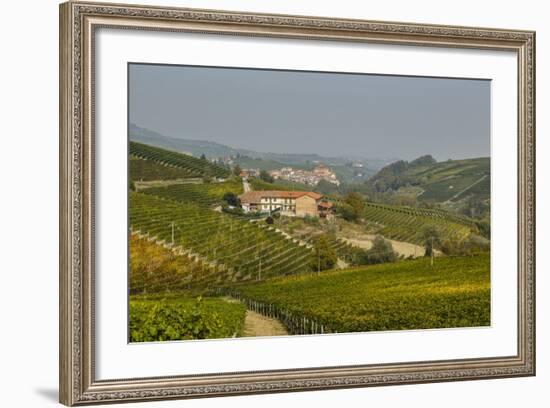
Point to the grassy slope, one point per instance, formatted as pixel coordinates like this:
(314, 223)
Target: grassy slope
(404, 295)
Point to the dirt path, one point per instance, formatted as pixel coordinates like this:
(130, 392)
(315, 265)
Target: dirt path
(256, 324)
(402, 248)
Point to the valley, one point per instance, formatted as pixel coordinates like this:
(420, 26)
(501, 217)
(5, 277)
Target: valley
(215, 252)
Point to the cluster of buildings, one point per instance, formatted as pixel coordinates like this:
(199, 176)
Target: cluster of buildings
(246, 173)
(313, 177)
(289, 203)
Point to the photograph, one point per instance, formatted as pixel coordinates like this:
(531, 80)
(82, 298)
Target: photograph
(266, 202)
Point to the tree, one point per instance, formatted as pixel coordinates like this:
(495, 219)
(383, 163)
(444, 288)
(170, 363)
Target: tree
(326, 187)
(431, 237)
(380, 252)
(265, 176)
(232, 199)
(324, 256)
(203, 157)
(470, 245)
(346, 212)
(357, 205)
(132, 185)
(237, 170)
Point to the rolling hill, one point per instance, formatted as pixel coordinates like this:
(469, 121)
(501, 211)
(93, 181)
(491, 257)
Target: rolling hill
(191, 166)
(455, 292)
(451, 180)
(254, 159)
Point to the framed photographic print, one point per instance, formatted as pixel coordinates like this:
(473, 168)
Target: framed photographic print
(258, 203)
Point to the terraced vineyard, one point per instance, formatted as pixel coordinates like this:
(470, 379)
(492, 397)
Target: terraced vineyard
(235, 249)
(455, 292)
(148, 170)
(193, 166)
(206, 194)
(405, 224)
(156, 269)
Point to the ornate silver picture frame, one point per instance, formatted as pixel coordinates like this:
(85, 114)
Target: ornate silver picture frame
(79, 22)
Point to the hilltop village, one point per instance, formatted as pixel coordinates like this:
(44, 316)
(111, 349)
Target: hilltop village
(307, 177)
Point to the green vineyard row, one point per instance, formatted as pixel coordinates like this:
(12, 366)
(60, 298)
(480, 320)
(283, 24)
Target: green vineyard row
(406, 224)
(206, 194)
(411, 294)
(194, 167)
(237, 249)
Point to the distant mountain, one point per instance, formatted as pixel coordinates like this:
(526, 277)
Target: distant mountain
(451, 180)
(192, 147)
(346, 167)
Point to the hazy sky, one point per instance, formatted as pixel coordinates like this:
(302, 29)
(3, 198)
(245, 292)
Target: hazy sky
(303, 112)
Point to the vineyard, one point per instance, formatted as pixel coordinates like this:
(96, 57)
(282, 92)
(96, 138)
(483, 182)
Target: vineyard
(444, 180)
(156, 269)
(148, 170)
(193, 167)
(178, 317)
(206, 194)
(455, 292)
(189, 255)
(235, 249)
(406, 224)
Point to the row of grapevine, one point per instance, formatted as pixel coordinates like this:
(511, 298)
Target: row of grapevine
(156, 269)
(406, 224)
(148, 170)
(425, 212)
(206, 194)
(195, 167)
(238, 250)
(405, 295)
